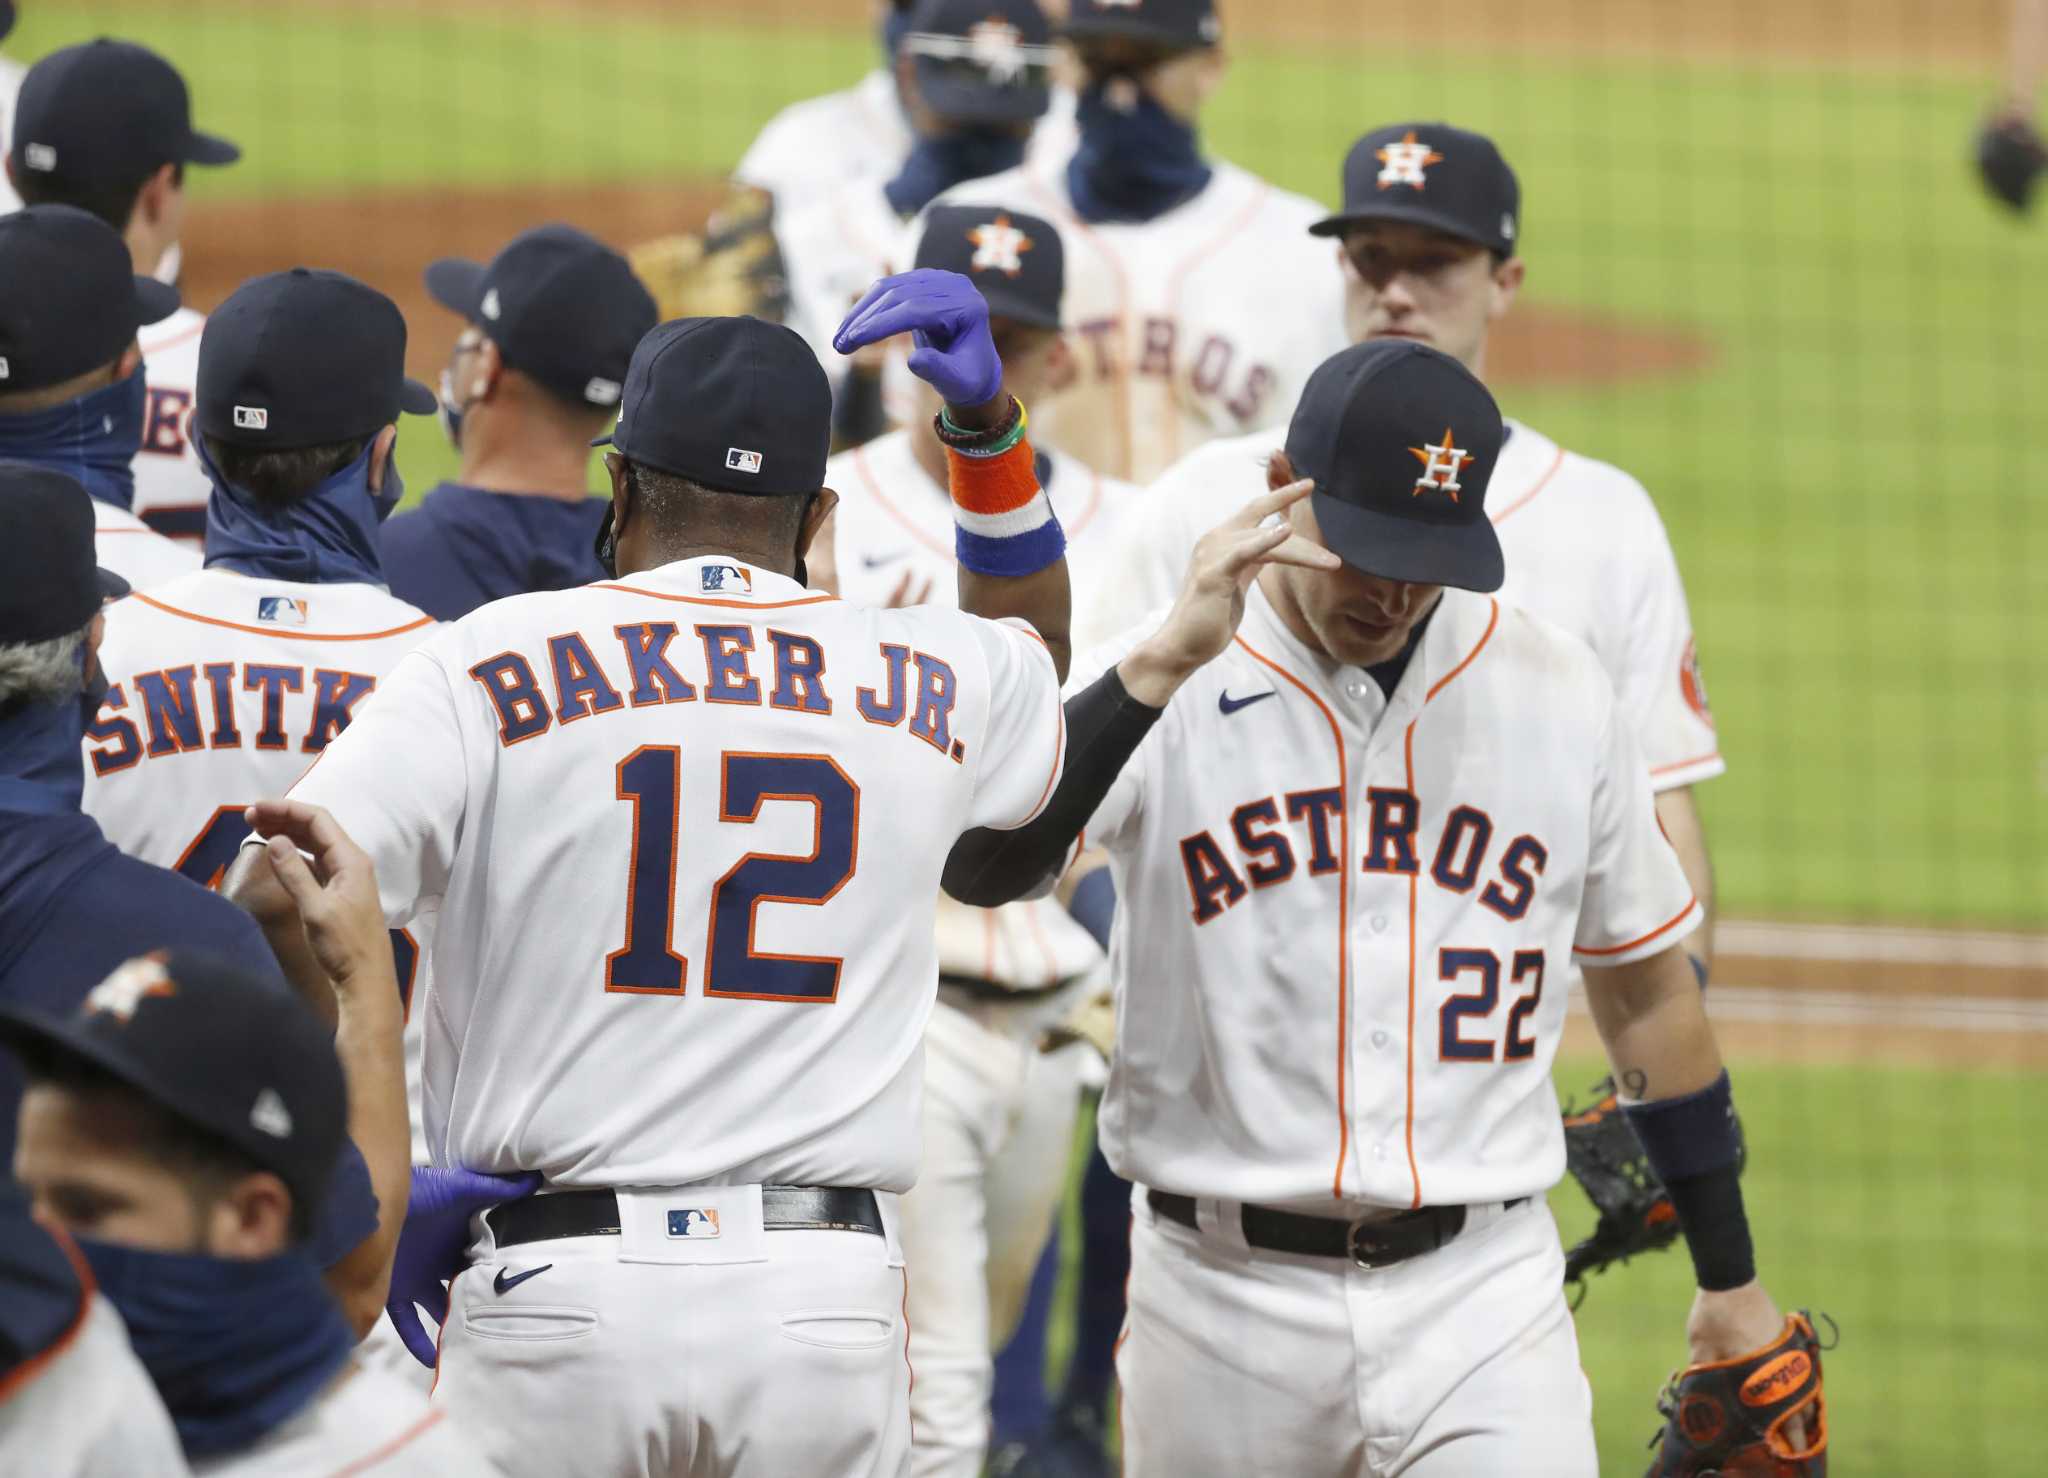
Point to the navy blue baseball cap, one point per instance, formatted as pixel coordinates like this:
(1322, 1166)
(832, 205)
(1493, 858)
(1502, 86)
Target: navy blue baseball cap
(560, 305)
(232, 1054)
(1401, 440)
(1015, 259)
(6, 18)
(70, 298)
(1430, 174)
(982, 61)
(1181, 24)
(51, 582)
(304, 358)
(108, 110)
(737, 404)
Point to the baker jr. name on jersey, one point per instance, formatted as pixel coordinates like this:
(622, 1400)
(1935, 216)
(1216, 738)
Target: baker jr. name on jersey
(893, 685)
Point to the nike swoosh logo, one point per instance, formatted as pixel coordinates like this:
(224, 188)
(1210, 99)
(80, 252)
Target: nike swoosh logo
(876, 561)
(1228, 705)
(505, 1285)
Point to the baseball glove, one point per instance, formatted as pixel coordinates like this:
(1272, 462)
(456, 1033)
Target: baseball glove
(2010, 157)
(733, 267)
(1730, 1417)
(1636, 1214)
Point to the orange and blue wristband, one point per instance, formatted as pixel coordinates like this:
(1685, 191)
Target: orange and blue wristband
(1004, 525)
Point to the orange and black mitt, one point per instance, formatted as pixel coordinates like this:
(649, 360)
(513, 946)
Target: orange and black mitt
(1735, 1417)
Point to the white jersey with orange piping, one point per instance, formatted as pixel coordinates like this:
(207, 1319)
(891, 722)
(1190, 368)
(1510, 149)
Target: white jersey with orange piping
(1385, 892)
(171, 488)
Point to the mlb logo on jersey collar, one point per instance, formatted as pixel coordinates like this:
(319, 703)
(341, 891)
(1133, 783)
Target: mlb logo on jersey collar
(282, 610)
(726, 579)
(697, 1222)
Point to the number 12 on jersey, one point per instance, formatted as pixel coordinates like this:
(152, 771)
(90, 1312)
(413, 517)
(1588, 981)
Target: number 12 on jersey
(650, 781)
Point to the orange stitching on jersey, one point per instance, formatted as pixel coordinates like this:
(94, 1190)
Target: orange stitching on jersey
(1492, 620)
(1188, 264)
(22, 1374)
(1052, 964)
(441, 1334)
(860, 465)
(909, 1369)
(1058, 755)
(1343, 916)
(698, 600)
(1698, 759)
(1541, 483)
(1684, 913)
(370, 1460)
(285, 632)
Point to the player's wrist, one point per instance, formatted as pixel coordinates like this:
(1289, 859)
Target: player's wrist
(1154, 670)
(981, 416)
(1004, 525)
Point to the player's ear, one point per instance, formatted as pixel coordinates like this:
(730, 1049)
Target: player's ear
(1507, 282)
(380, 456)
(252, 1220)
(152, 202)
(822, 504)
(490, 365)
(129, 362)
(1279, 472)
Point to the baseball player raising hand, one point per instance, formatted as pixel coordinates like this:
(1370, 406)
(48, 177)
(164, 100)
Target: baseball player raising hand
(686, 828)
(1361, 818)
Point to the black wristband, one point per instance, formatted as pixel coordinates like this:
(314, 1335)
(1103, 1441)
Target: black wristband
(977, 441)
(1716, 1227)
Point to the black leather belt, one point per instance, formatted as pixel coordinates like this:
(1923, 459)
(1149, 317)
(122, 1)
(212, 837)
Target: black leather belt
(1370, 1244)
(784, 1208)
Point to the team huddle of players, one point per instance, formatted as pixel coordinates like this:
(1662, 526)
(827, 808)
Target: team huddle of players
(1114, 596)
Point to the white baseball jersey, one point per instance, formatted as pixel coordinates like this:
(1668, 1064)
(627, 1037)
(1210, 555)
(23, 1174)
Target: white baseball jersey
(1619, 593)
(171, 488)
(1344, 920)
(135, 551)
(88, 1408)
(685, 830)
(895, 523)
(1204, 322)
(11, 73)
(367, 1422)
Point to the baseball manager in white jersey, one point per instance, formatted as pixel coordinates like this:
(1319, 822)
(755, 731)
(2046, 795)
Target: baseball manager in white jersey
(998, 1112)
(1196, 306)
(1428, 252)
(1356, 844)
(685, 828)
(107, 126)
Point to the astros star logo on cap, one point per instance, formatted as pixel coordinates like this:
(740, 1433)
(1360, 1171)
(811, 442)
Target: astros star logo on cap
(1440, 467)
(997, 47)
(121, 993)
(1403, 162)
(999, 247)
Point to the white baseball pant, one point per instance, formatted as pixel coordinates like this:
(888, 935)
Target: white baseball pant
(998, 1137)
(756, 1354)
(1459, 1363)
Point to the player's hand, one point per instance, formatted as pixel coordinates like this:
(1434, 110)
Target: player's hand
(433, 1243)
(1735, 1322)
(1211, 603)
(335, 896)
(947, 320)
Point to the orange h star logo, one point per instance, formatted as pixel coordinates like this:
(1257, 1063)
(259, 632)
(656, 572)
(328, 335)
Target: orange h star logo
(1440, 467)
(1402, 163)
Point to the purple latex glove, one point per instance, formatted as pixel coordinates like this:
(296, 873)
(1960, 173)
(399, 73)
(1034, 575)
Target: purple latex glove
(947, 319)
(432, 1243)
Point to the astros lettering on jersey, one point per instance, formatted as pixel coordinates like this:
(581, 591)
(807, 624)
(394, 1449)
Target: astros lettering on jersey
(702, 814)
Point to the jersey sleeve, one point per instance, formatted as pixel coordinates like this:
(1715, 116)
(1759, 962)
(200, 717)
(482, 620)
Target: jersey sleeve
(1637, 900)
(1658, 684)
(396, 780)
(1024, 747)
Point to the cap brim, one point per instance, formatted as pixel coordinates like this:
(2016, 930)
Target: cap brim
(37, 1036)
(154, 301)
(112, 586)
(961, 100)
(209, 148)
(1411, 215)
(416, 399)
(1464, 555)
(457, 285)
(604, 440)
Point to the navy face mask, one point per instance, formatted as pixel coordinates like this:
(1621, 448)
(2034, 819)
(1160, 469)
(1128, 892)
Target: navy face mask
(94, 438)
(328, 537)
(235, 1348)
(938, 163)
(1136, 160)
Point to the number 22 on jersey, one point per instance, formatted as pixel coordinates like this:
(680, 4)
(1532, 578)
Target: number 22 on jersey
(647, 963)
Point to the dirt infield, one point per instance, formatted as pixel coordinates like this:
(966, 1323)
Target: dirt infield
(387, 239)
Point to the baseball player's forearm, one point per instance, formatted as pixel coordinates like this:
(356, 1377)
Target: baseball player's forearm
(1654, 1023)
(1679, 815)
(1042, 598)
